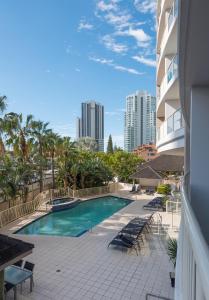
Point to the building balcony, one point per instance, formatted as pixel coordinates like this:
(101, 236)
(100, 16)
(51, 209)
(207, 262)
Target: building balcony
(170, 135)
(168, 88)
(169, 42)
(165, 23)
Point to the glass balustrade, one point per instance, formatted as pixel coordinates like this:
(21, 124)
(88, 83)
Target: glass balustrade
(172, 69)
(172, 124)
(173, 13)
(175, 121)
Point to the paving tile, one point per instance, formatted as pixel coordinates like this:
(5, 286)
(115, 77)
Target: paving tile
(90, 270)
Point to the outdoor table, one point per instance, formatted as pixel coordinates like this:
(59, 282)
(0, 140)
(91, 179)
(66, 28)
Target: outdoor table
(16, 275)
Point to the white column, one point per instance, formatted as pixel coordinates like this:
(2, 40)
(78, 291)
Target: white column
(199, 156)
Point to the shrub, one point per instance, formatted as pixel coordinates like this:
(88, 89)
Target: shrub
(172, 250)
(164, 189)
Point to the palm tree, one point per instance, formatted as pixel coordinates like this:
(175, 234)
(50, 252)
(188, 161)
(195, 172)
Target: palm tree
(3, 105)
(66, 153)
(18, 133)
(52, 148)
(39, 131)
(9, 179)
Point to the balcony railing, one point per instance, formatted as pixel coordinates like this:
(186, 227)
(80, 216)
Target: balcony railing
(172, 124)
(171, 19)
(175, 121)
(171, 74)
(173, 13)
(192, 277)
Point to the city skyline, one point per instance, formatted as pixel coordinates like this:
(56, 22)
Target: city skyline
(47, 70)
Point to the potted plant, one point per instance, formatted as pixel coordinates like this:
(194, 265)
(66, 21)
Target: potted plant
(172, 253)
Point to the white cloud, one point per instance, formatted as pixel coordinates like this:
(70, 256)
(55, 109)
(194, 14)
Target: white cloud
(129, 70)
(115, 66)
(77, 70)
(83, 25)
(48, 71)
(119, 20)
(142, 38)
(145, 61)
(101, 60)
(112, 45)
(146, 6)
(101, 5)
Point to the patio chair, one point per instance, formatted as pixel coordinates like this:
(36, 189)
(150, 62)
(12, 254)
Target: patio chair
(19, 263)
(30, 267)
(8, 287)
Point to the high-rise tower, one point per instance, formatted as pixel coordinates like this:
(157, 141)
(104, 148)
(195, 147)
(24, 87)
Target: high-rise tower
(140, 120)
(91, 123)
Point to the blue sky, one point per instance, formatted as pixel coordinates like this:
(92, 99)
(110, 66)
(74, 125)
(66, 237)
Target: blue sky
(54, 54)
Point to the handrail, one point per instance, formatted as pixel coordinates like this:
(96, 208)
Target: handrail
(197, 240)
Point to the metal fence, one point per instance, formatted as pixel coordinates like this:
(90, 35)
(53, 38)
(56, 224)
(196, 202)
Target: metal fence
(111, 188)
(18, 211)
(21, 210)
(173, 207)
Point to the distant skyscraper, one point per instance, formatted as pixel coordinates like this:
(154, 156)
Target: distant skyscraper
(140, 120)
(91, 123)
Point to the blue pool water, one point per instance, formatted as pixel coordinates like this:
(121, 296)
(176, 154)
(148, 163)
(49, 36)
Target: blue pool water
(77, 220)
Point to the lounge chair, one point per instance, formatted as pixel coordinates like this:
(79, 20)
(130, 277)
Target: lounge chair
(124, 242)
(135, 233)
(133, 189)
(150, 190)
(154, 204)
(138, 189)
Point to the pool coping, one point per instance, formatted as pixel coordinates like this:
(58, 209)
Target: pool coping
(82, 200)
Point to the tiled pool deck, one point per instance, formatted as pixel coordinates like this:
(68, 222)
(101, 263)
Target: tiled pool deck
(84, 268)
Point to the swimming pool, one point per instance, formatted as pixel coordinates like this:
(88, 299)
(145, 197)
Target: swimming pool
(77, 220)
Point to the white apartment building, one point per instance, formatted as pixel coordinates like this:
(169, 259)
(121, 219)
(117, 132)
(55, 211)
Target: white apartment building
(140, 120)
(170, 124)
(185, 76)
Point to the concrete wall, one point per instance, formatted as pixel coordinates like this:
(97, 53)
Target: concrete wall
(149, 182)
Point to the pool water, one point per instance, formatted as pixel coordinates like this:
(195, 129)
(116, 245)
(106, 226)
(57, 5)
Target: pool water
(77, 220)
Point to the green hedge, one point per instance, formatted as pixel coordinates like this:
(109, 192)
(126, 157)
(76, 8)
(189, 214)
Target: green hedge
(164, 189)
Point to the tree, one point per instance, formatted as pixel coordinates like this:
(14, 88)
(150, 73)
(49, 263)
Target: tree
(116, 148)
(3, 105)
(39, 132)
(52, 146)
(9, 179)
(18, 133)
(122, 164)
(66, 154)
(87, 144)
(110, 145)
